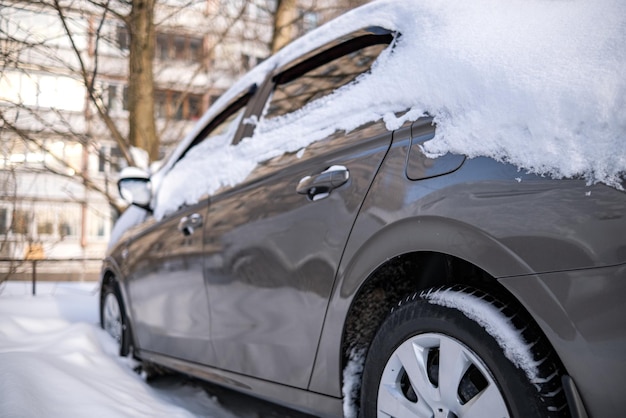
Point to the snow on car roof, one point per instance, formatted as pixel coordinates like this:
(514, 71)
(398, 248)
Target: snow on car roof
(537, 83)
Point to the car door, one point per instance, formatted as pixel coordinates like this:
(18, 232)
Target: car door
(165, 263)
(165, 286)
(273, 244)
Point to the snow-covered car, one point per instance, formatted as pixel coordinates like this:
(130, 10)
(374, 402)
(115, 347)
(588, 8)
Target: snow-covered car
(416, 210)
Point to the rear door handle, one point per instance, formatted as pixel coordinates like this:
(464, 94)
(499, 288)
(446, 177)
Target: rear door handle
(320, 185)
(188, 224)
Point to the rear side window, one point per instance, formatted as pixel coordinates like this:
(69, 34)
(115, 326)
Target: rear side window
(292, 94)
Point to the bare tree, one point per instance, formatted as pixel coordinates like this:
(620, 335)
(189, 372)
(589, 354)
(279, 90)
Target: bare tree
(140, 78)
(86, 29)
(284, 22)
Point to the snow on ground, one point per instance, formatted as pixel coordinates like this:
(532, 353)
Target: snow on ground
(55, 361)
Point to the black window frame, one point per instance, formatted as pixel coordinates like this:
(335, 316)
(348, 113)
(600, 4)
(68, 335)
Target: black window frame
(379, 37)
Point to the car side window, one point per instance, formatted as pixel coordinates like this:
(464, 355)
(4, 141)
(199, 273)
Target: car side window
(218, 133)
(315, 77)
(320, 81)
(224, 126)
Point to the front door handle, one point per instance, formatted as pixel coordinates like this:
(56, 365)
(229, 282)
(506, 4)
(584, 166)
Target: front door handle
(320, 185)
(188, 224)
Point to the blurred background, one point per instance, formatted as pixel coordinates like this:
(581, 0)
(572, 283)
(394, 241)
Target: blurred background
(88, 87)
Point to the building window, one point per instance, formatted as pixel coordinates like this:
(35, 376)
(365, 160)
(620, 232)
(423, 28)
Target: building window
(163, 47)
(123, 38)
(45, 224)
(195, 49)
(97, 223)
(21, 221)
(160, 104)
(186, 48)
(125, 98)
(109, 158)
(249, 61)
(180, 52)
(66, 228)
(4, 225)
(116, 160)
(194, 107)
(178, 106)
(246, 62)
(102, 159)
(111, 103)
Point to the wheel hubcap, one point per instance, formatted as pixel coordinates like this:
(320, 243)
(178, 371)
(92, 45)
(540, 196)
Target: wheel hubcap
(112, 317)
(433, 375)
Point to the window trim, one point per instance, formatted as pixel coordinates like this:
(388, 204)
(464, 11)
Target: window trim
(329, 52)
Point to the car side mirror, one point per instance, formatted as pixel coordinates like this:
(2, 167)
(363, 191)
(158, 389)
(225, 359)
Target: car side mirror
(135, 187)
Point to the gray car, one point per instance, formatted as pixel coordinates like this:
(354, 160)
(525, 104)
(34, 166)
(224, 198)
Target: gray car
(364, 275)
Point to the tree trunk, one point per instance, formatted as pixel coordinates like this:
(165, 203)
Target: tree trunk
(142, 129)
(283, 24)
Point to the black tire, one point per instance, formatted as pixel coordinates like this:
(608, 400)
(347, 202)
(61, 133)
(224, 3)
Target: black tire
(113, 317)
(495, 372)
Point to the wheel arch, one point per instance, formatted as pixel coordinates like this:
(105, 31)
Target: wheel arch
(418, 253)
(403, 257)
(399, 277)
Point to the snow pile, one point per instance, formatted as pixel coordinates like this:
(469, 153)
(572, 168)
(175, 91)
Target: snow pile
(352, 375)
(56, 362)
(538, 83)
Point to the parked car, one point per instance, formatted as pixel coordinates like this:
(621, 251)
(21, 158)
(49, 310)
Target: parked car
(345, 269)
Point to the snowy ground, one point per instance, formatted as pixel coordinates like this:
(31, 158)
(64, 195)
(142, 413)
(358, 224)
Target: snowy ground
(55, 361)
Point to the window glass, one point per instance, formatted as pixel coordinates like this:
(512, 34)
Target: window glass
(177, 105)
(195, 50)
(322, 81)
(227, 127)
(21, 222)
(178, 47)
(96, 222)
(45, 222)
(191, 167)
(4, 216)
(68, 225)
(123, 38)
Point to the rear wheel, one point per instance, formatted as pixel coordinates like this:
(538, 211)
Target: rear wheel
(458, 352)
(113, 317)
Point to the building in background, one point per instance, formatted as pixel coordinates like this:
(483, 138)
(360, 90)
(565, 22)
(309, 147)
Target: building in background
(58, 163)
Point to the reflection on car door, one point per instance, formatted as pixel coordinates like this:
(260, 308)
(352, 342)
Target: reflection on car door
(166, 279)
(272, 253)
(166, 286)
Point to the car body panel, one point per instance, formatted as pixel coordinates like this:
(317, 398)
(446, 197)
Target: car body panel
(583, 314)
(271, 255)
(299, 399)
(165, 289)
